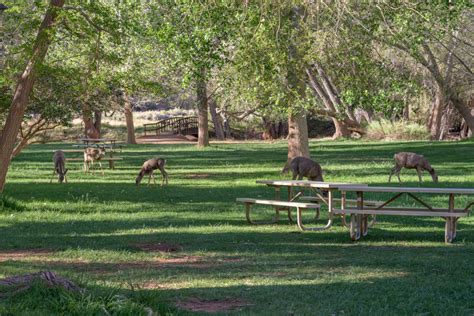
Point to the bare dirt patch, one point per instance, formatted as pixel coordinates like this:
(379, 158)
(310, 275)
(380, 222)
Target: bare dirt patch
(6, 255)
(212, 306)
(160, 247)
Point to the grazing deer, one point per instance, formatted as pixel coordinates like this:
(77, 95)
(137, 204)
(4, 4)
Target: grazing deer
(92, 154)
(304, 167)
(149, 168)
(411, 161)
(59, 166)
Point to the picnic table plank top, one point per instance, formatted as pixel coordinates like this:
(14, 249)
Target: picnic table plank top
(361, 188)
(308, 183)
(97, 139)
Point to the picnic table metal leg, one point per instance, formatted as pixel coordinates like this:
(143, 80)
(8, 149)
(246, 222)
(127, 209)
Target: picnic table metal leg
(450, 229)
(111, 161)
(290, 197)
(248, 207)
(358, 225)
(354, 229)
(299, 220)
(343, 207)
(363, 222)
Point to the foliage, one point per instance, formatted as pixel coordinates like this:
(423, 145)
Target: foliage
(384, 129)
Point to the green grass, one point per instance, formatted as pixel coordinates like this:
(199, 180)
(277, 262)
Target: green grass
(90, 228)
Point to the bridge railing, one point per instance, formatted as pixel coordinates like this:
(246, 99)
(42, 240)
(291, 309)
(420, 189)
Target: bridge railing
(175, 125)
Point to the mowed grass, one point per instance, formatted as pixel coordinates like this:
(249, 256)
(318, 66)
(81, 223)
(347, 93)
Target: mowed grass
(95, 231)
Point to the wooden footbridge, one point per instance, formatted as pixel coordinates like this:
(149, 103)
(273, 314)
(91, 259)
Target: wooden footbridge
(175, 129)
(174, 126)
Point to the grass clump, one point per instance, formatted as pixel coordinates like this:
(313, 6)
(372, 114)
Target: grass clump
(9, 204)
(399, 130)
(41, 299)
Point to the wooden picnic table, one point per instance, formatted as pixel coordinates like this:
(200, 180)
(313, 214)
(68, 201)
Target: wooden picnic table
(359, 214)
(110, 144)
(88, 141)
(329, 187)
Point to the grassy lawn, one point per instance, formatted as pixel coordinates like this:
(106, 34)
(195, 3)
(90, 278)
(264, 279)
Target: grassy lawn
(98, 231)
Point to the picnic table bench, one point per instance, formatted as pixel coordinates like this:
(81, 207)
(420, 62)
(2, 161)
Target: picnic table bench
(360, 209)
(286, 206)
(359, 214)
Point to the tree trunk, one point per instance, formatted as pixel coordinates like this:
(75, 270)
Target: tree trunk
(466, 112)
(218, 128)
(203, 124)
(341, 127)
(90, 130)
(24, 88)
(298, 136)
(129, 119)
(98, 120)
(226, 125)
(437, 109)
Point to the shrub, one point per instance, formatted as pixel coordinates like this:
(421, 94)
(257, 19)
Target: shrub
(399, 130)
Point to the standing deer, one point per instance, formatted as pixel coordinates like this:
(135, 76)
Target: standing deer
(411, 161)
(149, 168)
(91, 155)
(59, 166)
(304, 167)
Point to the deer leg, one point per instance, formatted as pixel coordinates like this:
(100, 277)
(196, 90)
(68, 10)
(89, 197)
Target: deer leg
(418, 170)
(165, 177)
(51, 180)
(100, 165)
(154, 178)
(149, 178)
(392, 172)
(397, 171)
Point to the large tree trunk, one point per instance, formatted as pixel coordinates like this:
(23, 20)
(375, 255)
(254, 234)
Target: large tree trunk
(129, 120)
(218, 128)
(437, 109)
(90, 129)
(203, 124)
(25, 87)
(466, 112)
(226, 125)
(298, 136)
(328, 97)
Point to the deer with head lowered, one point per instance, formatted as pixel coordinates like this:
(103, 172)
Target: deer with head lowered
(304, 167)
(59, 166)
(149, 168)
(92, 154)
(411, 161)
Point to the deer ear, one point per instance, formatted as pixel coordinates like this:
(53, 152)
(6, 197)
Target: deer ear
(65, 171)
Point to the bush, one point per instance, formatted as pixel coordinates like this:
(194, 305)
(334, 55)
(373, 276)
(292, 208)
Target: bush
(399, 130)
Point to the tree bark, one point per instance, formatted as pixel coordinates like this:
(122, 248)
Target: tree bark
(203, 124)
(218, 128)
(342, 129)
(466, 112)
(298, 144)
(226, 125)
(129, 120)
(25, 86)
(437, 110)
(90, 130)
